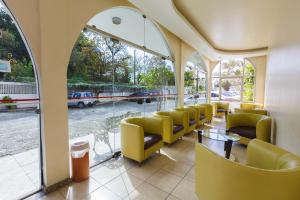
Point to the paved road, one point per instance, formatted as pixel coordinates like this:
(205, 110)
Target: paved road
(19, 131)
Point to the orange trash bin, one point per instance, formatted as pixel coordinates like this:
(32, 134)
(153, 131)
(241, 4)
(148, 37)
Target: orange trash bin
(80, 161)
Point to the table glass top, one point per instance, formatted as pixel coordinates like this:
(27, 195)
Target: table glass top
(220, 135)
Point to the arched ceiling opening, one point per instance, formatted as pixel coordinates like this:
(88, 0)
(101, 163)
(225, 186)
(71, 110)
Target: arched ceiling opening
(132, 27)
(196, 61)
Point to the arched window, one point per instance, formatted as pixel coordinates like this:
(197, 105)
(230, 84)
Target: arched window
(233, 80)
(20, 172)
(120, 66)
(195, 90)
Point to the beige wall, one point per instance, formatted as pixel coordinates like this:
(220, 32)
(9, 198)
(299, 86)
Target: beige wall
(51, 28)
(283, 78)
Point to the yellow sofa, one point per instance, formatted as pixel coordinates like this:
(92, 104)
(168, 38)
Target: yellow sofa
(220, 108)
(191, 124)
(173, 124)
(204, 112)
(271, 173)
(249, 126)
(254, 111)
(141, 137)
(251, 106)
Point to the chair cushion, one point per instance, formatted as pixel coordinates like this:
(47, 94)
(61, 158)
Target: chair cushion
(202, 116)
(221, 110)
(177, 128)
(192, 122)
(150, 139)
(244, 131)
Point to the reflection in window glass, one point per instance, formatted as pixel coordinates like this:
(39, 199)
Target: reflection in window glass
(20, 170)
(120, 81)
(194, 84)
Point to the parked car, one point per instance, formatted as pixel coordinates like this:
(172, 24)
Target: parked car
(138, 97)
(81, 99)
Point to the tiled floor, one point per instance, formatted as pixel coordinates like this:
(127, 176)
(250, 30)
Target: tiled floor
(169, 175)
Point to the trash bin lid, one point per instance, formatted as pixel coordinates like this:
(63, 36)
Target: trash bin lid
(80, 145)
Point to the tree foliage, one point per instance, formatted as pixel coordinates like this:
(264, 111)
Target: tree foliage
(13, 49)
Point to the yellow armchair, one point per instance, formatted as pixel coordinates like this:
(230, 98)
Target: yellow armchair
(191, 124)
(254, 111)
(205, 112)
(249, 126)
(141, 137)
(220, 108)
(173, 124)
(271, 173)
(251, 106)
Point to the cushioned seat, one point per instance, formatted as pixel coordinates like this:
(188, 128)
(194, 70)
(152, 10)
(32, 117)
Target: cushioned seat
(202, 116)
(174, 123)
(270, 173)
(219, 108)
(192, 122)
(177, 128)
(150, 139)
(141, 137)
(244, 131)
(242, 123)
(204, 113)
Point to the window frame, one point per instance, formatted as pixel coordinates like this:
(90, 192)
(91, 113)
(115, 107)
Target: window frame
(241, 77)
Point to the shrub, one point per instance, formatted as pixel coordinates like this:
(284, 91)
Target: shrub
(8, 100)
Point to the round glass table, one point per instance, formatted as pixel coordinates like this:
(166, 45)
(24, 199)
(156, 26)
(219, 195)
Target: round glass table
(220, 135)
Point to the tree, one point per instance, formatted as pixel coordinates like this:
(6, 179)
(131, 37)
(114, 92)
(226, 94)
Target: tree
(226, 85)
(157, 77)
(13, 49)
(188, 78)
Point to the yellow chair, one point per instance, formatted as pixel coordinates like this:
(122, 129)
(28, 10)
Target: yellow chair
(141, 137)
(255, 111)
(205, 112)
(173, 124)
(191, 124)
(271, 173)
(249, 126)
(251, 106)
(220, 108)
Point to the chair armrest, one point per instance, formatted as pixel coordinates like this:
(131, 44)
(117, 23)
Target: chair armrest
(167, 123)
(262, 154)
(132, 140)
(182, 117)
(232, 120)
(218, 178)
(263, 129)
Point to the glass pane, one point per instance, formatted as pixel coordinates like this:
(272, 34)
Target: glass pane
(232, 67)
(231, 89)
(249, 81)
(91, 73)
(215, 89)
(189, 85)
(216, 70)
(20, 172)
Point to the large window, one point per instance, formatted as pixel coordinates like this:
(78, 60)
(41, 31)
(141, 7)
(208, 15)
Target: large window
(233, 80)
(20, 171)
(195, 90)
(112, 75)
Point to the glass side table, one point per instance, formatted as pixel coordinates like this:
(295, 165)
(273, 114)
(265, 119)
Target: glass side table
(220, 135)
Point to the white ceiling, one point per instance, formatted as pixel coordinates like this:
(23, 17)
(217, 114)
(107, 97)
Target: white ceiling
(217, 28)
(232, 25)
